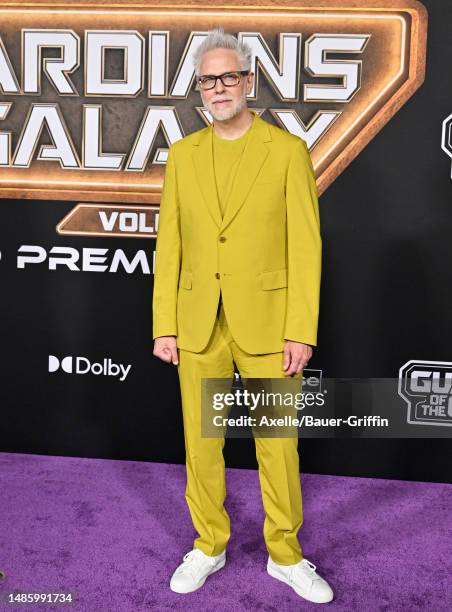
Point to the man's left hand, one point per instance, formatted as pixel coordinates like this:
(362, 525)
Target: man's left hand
(296, 356)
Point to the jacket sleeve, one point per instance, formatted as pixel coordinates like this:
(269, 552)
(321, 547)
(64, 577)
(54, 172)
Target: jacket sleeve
(304, 248)
(167, 256)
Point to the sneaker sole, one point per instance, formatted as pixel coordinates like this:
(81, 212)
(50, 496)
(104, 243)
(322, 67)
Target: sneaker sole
(220, 565)
(278, 576)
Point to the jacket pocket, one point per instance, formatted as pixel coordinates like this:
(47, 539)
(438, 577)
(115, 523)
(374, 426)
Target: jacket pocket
(274, 279)
(185, 279)
(265, 179)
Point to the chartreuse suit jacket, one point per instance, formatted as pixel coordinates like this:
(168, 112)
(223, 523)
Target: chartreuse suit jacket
(264, 255)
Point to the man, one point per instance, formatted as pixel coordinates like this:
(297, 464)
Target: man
(237, 280)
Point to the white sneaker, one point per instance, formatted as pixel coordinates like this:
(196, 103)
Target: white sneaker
(304, 580)
(196, 567)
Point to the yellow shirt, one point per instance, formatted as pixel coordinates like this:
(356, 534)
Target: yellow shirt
(226, 159)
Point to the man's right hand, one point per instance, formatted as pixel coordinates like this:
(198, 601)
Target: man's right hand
(165, 348)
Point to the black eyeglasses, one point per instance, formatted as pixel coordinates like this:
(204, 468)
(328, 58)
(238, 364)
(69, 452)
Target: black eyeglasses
(229, 79)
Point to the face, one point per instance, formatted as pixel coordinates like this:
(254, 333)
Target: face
(222, 102)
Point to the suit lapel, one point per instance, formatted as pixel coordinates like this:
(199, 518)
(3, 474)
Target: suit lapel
(253, 157)
(205, 174)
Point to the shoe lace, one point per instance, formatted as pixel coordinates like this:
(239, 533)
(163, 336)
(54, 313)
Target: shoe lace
(193, 561)
(307, 568)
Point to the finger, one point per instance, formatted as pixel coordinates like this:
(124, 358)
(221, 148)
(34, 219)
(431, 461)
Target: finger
(303, 364)
(295, 366)
(300, 368)
(287, 359)
(291, 369)
(166, 354)
(174, 355)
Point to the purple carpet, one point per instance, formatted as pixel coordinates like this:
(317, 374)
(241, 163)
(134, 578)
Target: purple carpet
(112, 532)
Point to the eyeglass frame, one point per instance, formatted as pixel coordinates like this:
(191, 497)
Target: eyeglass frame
(220, 76)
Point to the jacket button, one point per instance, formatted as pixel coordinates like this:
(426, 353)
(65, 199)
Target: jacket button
(217, 275)
(222, 238)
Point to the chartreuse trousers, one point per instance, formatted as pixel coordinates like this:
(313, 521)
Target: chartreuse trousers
(277, 457)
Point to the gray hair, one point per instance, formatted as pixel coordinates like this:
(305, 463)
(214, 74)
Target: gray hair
(219, 39)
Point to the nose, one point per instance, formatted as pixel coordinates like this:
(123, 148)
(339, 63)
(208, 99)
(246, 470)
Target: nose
(219, 87)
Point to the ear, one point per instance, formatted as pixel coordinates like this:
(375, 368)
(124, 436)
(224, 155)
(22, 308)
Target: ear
(249, 82)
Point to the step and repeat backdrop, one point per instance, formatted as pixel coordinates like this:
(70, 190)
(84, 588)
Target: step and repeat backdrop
(91, 98)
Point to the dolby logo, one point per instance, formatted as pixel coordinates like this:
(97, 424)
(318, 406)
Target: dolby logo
(82, 365)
